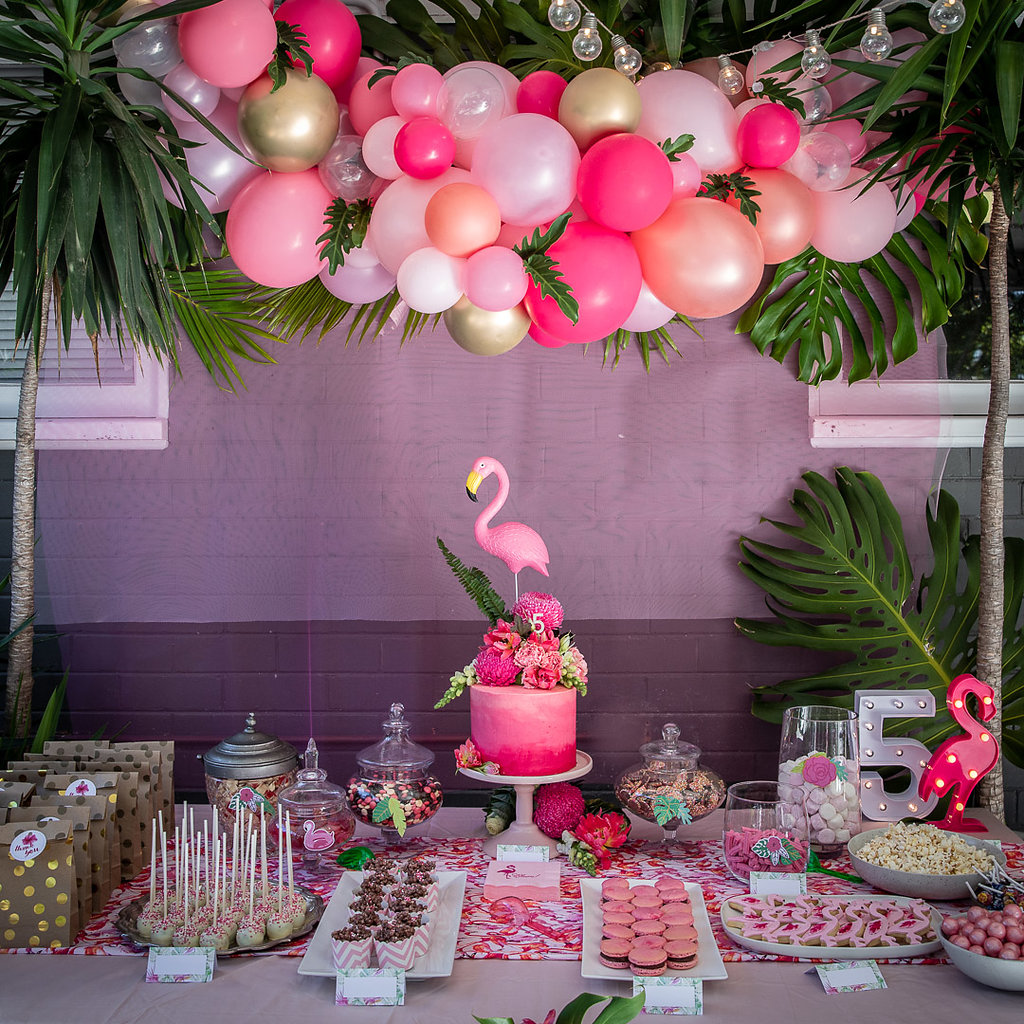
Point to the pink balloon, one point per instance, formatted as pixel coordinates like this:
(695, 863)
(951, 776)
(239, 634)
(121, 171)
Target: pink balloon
(333, 38)
(853, 224)
(539, 93)
(851, 133)
(768, 135)
(495, 279)
(845, 85)
(273, 226)
(748, 105)
(431, 281)
(686, 176)
(678, 103)
(424, 148)
(415, 91)
(624, 182)
(379, 147)
(363, 66)
(229, 43)
(529, 164)
(763, 61)
(191, 88)
(397, 226)
(603, 271)
(358, 284)
(649, 313)
(366, 106)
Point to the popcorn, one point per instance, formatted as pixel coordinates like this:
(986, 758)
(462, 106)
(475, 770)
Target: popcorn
(924, 850)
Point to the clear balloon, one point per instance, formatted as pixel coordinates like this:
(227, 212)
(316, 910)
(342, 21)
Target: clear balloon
(624, 182)
(816, 100)
(151, 46)
(649, 313)
(379, 147)
(333, 38)
(424, 148)
(430, 280)
(352, 283)
(767, 135)
(415, 91)
(854, 223)
(140, 91)
(229, 43)
(470, 100)
(821, 161)
(495, 278)
(344, 172)
(462, 218)
(184, 82)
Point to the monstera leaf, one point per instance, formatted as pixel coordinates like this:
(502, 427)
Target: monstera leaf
(847, 586)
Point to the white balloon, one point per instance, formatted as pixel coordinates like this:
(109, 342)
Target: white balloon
(379, 147)
(431, 281)
(183, 81)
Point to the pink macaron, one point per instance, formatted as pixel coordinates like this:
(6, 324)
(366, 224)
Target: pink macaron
(647, 961)
(615, 953)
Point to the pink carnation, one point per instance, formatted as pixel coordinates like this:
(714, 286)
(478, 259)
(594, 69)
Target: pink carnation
(579, 662)
(545, 675)
(558, 806)
(533, 606)
(494, 668)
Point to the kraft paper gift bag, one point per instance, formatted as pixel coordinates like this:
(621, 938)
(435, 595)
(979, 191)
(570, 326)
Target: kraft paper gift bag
(15, 794)
(145, 809)
(104, 784)
(129, 825)
(165, 748)
(73, 748)
(99, 847)
(37, 885)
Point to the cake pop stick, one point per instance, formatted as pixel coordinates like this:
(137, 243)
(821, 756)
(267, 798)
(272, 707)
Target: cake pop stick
(216, 884)
(177, 865)
(152, 867)
(234, 860)
(163, 860)
(280, 864)
(263, 851)
(288, 831)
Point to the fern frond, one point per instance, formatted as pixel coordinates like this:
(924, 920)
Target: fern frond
(478, 586)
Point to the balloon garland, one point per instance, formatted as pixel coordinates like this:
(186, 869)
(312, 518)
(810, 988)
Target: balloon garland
(677, 198)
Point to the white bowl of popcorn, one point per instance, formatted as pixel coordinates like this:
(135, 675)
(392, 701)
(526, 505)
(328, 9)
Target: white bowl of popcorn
(922, 861)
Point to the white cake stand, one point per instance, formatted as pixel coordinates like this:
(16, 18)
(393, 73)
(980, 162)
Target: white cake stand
(522, 831)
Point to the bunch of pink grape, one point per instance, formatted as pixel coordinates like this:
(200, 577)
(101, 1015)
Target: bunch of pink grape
(995, 933)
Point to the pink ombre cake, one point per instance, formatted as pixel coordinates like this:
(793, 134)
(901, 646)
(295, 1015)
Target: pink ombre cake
(526, 731)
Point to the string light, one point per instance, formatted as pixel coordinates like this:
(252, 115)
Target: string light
(564, 15)
(627, 58)
(587, 44)
(730, 78)
(815, 62)
(876, 43)
(947, 16)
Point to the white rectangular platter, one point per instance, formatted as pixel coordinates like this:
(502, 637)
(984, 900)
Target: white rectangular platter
(439, 958)
(829, 952)
(709, 967)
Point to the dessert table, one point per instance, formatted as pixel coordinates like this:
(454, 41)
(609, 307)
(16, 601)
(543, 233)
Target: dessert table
(110, 989)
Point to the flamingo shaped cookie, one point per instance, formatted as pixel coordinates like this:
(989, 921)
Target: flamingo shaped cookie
(516, 544)
(960, 762)
(316, 839)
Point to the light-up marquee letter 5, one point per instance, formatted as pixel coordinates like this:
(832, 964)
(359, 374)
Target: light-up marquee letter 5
(873, 708)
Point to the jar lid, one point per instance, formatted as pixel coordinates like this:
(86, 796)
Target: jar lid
(671, 748)
(250, 755)
(396, 750)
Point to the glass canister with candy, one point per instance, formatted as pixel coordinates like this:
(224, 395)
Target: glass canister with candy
(393, 789)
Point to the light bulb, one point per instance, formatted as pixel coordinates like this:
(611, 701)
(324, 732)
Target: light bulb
(586, 44)
(947, 16)
(815, 62)
(730, 78)
(564, 15)
(876, 43)
(627, 58)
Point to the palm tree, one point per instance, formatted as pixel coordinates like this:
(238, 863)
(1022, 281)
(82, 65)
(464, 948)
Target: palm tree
(86, 234)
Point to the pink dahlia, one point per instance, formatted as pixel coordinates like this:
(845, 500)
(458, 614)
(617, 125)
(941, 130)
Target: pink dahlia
(495, 669)
(534, 606)
(557, 807)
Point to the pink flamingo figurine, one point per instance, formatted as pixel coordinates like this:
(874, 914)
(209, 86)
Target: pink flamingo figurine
(516, 544)
(961, 761)
(316, 839)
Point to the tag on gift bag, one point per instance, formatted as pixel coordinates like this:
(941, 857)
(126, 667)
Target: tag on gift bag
(37, 885)
(98, 874)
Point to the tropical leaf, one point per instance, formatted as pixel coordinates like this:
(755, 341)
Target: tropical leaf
(846, 586)
(346, 230)
(543, 270)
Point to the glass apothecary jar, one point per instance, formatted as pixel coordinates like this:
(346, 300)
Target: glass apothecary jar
(669, 787)
(315, 811)
(393, 789)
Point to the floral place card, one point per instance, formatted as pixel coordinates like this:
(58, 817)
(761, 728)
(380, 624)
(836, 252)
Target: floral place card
(778, 883)
(370, 986)
(850, 976)
(666, 994)
(509, 851)
(181, 963)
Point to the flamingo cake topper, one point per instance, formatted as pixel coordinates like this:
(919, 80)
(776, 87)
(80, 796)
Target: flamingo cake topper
(516, 544)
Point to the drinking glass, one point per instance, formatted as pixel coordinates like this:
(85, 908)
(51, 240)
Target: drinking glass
(762, 831)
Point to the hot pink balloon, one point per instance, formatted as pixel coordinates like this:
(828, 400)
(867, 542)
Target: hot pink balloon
(853, 224)
(529, 164)
(424, 148)
(415, 91)
(679, 103)
(686, 176)
(431, 281)
(768, 135)
(183, 81)
(366, 106)
(603, 271)
(544, 338)
(624, 182)
(851, 133)
(358, 284)
(273, 226)
(539, 93)
(495, 279)
(764, 61)
(333, 38)
(229, 43)
(379, 147)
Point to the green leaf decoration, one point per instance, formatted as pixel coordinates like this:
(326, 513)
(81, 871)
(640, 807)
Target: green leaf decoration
(671, 808)
(347, 224)
(673, 147)
(381, 813)
(290, 51)
(355, 857)
(846, 585)
(397, 815)
(478, 586)
(618, 1011)
(780, 92)
(543, 269)
(722, 186)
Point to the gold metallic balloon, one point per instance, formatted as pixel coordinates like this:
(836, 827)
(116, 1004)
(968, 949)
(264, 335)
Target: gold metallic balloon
(485, 333)
(291, 129)
(599, 102)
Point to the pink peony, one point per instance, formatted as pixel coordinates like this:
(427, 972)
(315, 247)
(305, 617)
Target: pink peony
(495, 669)
(557, 806)
(534, 606)
(502, 637)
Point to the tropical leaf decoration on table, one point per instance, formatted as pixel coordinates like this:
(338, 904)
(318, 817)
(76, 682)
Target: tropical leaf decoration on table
(390, 811)
(671, 808)
(845, 584)
(619, 1010)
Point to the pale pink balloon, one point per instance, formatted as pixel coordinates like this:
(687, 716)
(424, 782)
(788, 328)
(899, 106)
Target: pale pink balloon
(431, 281)
(183, 81)
(649, 313)
(356, 284)
(678, 103)
(511, 235)
(686, 176)
(229, 43)
(851, 223)
(366, 106)
(273, 226)
(379, 147)
(415, 90)
(846, 85)
(528, 163)
(747, 105)
(362, 256)
(495, 279)
(763, 62)
(907, 207)
(851, 132)
(397, 225)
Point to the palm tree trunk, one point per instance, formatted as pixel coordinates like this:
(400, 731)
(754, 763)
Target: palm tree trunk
(990, 594)
(23, 538)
